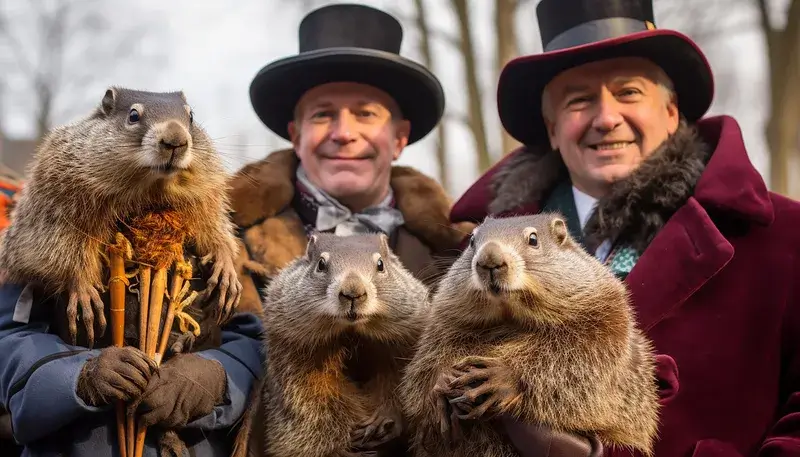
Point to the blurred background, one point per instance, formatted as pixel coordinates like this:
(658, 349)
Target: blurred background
(58, 57)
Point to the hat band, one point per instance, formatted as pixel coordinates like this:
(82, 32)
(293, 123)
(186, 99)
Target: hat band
(597, 30)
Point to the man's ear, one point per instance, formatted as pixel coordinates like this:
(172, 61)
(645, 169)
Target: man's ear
(673, 116)
(294, 134)
(551, 133)
(402, 130)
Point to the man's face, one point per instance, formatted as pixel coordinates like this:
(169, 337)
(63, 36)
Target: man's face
(606, 117)
(346, 137)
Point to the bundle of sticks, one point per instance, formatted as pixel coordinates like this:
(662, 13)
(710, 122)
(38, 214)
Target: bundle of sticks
(157, 248)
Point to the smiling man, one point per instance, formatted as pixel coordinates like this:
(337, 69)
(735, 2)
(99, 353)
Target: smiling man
(611, 116)
(350, 104)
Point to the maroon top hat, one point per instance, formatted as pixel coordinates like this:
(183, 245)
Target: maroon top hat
(575, 32)
(354, 43)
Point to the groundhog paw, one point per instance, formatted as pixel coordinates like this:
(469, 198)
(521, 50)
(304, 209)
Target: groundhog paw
(91, 307)
(488, 388)
(376, 431)
(226, 282)
(171, 445)
(449, 429)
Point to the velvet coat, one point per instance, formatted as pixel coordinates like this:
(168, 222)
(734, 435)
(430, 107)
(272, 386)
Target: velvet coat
(717, 292)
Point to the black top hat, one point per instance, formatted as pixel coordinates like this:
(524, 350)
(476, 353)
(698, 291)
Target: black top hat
(575, 32)
(354, 43)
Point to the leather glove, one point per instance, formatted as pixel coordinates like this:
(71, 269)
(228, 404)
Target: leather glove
(541, 441)
(115, 374)
(185, 388)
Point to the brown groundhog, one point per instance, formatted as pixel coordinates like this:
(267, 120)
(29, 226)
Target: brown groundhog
(340, 322)
(137, 152)
(526, 324)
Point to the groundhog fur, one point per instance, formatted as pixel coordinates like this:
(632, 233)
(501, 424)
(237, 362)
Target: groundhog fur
(527, 325)
(136, 153)
(341, 323)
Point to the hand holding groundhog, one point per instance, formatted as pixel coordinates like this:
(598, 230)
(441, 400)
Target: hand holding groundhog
(115, 374)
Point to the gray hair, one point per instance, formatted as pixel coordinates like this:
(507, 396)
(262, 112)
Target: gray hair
(660, 77)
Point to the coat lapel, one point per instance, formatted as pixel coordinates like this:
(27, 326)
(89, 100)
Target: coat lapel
(685, 254)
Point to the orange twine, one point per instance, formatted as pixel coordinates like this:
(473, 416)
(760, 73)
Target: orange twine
(158, 238)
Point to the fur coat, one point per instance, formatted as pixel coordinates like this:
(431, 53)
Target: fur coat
(715, 288)
(272, 233)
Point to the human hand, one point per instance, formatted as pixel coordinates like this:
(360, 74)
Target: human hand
(185, 388)
(117, 373)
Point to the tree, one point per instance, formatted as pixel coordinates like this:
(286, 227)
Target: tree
(476, 119)
(507, 49)
(783, 126)
(58, 48)
(427, 60)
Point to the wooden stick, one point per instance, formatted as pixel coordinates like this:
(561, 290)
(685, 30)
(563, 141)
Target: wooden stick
(117, 317)
(157, 289)
(177, 283)
(144, 305)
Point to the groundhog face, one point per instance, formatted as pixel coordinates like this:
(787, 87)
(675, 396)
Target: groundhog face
(527, 267)
(351, 273)
(156, 137)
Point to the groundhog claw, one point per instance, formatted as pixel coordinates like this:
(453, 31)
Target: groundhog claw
(449, 427)
(375, 432)
(171, 445)
(224, 275)
(488, 388)
(91, 306)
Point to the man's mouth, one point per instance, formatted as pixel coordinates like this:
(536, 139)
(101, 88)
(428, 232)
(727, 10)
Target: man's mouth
(610, 146)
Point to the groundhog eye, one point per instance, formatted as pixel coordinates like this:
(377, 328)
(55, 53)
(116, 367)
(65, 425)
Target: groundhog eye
(133, 116)
(322, 265)
(472, 241)
(191, 117)
(380, 265)
(533, 240)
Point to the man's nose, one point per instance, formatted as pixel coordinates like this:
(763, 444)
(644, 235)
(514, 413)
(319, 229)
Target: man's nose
(343, 129)
(608, 115)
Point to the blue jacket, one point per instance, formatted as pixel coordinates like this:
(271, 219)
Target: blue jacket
(39, 373)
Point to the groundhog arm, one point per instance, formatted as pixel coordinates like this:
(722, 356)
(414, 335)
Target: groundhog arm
(216, 243)
(38, 370)
(240, 356)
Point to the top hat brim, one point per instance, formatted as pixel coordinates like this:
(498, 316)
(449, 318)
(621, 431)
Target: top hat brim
(276, 89)
(520, 86)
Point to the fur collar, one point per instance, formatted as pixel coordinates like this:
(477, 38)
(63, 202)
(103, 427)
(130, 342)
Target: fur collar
(629, 213)
(263, 189)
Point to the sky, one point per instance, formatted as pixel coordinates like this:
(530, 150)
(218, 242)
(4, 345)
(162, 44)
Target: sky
(212, 49)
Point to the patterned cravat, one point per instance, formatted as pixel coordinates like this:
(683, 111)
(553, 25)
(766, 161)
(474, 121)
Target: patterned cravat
(332, 215)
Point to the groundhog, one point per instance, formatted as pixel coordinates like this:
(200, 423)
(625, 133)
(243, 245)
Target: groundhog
(527, 325)
(341, 323)
(136, 153)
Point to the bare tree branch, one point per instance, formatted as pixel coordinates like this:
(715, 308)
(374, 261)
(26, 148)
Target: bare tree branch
(427, 58)
(477, 123)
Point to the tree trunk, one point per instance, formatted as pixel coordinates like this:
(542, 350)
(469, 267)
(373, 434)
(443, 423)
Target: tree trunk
(425, 48)
(783, 125)
(507, 49)
(476, 121)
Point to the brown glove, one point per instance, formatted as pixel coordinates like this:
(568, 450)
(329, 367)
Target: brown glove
(541, 441)
(115, 374)
(185, 388)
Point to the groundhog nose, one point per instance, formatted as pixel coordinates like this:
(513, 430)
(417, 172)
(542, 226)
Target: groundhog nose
(175, 147)
(354, 296)
(492, 260)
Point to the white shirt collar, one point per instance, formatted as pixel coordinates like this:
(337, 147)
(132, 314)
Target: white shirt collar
(584, 203)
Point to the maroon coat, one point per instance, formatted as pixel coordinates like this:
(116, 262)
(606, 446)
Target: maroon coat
(721, 306)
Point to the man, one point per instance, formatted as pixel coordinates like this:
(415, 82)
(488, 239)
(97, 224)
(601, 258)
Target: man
(610, 116)
(350, 104)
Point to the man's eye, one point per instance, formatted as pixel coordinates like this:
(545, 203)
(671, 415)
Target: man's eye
(629, 92)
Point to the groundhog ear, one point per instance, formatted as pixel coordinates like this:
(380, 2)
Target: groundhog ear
(558, 228)
(384, 243)
(109, 101)
(312, 242)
